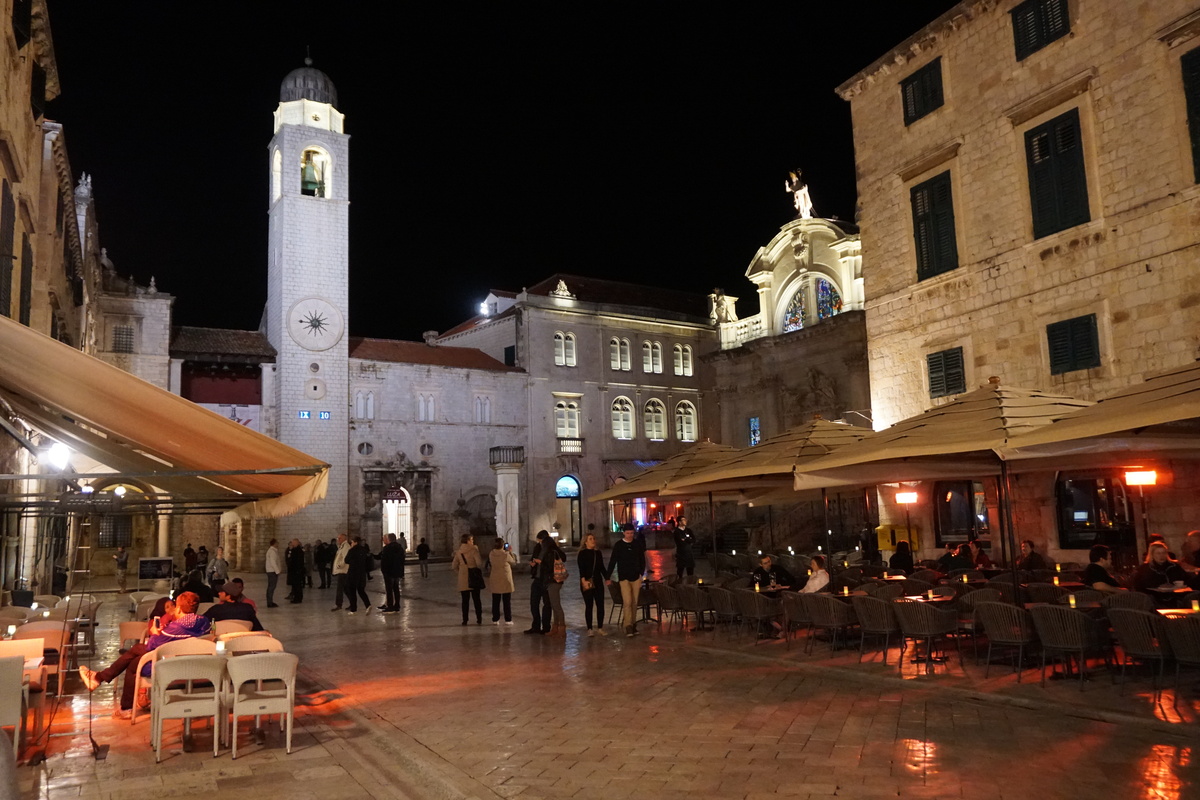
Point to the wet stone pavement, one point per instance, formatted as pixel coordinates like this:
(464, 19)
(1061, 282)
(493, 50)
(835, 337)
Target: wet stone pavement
(414, 705)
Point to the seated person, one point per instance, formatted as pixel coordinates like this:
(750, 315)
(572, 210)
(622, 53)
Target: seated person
(1190, 558)
(767, 574)
(1030, 558)
(1097, 575)
(196, 585)
(902, 559)
(818, 578)
(1158, 537)
(979, 556)
(185, 624)
(946, 559)
(245, 599)
(1162, 570)
(231, 606)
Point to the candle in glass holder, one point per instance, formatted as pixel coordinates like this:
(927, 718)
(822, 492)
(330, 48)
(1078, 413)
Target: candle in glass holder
(929, 594)
(699, 580)
(845, 591)
(12, 629)
(756, 588)
(1056, 580)
(220, 647)
(1058, 567)
(1196, 605)
(964, 578)
(1071, 600)
(45, 613)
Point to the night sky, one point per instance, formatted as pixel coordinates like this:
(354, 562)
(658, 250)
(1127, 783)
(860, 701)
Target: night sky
(491, 146)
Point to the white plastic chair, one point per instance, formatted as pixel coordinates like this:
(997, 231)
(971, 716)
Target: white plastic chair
(252, 643)
(35, 687)
(222, 626)
(75, 601)
(251, 694)
(14, 699)
(183, 647)
(169, 700)
(142, 612)
(46, 600)
(15, 612)
(132, 632)
(57, 635)
(225, 637)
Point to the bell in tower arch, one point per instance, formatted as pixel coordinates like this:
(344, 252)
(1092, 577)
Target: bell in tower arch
(311, 183)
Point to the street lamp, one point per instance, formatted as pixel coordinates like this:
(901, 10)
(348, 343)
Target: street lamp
(906, 499)
(1141, 479)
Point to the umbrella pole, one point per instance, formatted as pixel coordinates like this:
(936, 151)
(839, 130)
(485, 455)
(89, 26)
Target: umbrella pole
(712, 525)
(1009, 535)
(825, 509)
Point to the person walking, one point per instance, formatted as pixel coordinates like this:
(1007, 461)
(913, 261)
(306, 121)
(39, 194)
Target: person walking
(466, 558)
(500, 581)
(340, 569)
(295, 570)
(554, 561)
(628, 564)
(189, 558)
(356, 560)
(218, 569)
(274, 568)
(327, 552)
(202, 559)
(423, 557)
(309, 564)
(391, 564)
(592, 575)
(121, 568)
(685, 556)
(539, 596)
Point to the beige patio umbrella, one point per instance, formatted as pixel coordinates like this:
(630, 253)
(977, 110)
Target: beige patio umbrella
(964, 437)
(650, 482)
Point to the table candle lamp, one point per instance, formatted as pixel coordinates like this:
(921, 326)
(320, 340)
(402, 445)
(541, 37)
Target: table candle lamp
(12, 629)
(964, 577)
(1058, 567)
(845, 591)
(221, 647)
(1056, 580)
(1071, 600)
(1196, 605)
(929, 594)
(756, 587)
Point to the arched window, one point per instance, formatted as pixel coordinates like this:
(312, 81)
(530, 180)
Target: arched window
(370, 405)
(683, 359)
(622, 418)
(685, 422)
(276, 175)
(656, 357)
(483, 409)
(566, 419)
(814, 300)
(564, 349)
(425, 408)
(316, 173)
(360, 405)
(655, 421)
(647, 357)
(618, 353)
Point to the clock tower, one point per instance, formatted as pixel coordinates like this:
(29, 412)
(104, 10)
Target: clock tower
(307, 288)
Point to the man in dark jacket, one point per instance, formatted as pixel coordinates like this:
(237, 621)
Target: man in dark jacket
(357, 559)
(296, 571)
(232, 607)
(685, 556)
(539, 594)
(391, 564)
(627, 564)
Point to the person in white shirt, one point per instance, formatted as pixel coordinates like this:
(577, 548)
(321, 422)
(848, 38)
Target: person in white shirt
(340, 569)
(274, 568)
(818, 578)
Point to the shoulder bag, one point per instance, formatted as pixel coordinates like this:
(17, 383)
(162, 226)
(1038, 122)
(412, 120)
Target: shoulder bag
(474, 575)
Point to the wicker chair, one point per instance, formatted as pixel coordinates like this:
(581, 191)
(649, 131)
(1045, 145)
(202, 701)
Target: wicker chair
(694, 600)
(1007, 590)
(725, 607)
(795, 615)
(913, 586)
(758, 609)
(889, 591)
(1136, 600)
(922, 622)
(927, 575)
(616, 601)
(736, 582)
(972, 574)
(1043, 592)
(967, 623)
(872, 571)
(828, 614)
(876, 618)
(670, 605)
(1007, 625)
(1065, 632)
(1143, 637)
(1184, 634)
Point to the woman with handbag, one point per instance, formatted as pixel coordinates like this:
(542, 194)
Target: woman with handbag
(591, 582)
(500, 580)
(469, 567)
(556, 574)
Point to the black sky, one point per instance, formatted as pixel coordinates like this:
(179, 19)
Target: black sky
(490, 146)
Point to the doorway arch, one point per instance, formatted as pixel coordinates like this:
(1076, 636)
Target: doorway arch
(568, 512)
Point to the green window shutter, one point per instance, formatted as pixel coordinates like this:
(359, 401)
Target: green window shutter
(1057, 176)
(933, 226)
(921, 92)
(1190, 64)
(26, 297)
(1074, 344)
(946, 374)
(8, 221)
(1036, 23)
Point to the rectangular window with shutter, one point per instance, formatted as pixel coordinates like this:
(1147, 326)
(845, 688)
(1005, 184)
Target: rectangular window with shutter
(1074, 344)
(946, 374)
(1037, 23)
(26, 296)
(1057, 177)
(1190, 64)
(921, 92)
(933, 227)
(8, 221)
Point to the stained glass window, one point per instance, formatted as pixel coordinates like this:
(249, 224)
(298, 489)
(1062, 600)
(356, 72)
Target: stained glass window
(755, 432)
(793, 318)
(829, 302)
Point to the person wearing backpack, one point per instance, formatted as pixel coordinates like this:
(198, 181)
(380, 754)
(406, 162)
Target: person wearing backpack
(556, 575)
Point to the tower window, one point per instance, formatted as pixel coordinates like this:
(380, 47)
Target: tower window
(314, 173)
(122, 339)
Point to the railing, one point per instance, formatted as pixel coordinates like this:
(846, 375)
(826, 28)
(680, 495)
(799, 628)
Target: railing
(570, 447)
(735, 334)
(508, 454)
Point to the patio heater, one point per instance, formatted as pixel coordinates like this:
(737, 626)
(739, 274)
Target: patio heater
(1142, 479)
(906, 499)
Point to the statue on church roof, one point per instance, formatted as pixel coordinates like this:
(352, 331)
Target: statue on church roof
(800, 196)
(561, 290)
(721, 307)
(83, 190)
(105, 261)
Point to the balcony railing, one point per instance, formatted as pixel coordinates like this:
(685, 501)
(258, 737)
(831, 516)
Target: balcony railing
(570, 447)
(508, 454)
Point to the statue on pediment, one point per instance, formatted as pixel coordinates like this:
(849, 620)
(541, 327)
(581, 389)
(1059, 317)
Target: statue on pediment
(800, 196)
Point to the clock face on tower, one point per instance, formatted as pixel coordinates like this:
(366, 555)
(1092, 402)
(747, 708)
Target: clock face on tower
(315, 324)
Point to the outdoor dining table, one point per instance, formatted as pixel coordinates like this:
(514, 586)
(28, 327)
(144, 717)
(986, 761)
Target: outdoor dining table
(845, 596)
(1080, 605)
(1176, 613)
(937, 598)
(895, 578)
(1167, 590)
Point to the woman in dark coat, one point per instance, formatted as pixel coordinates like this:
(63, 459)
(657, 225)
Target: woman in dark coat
(902, 558)
(297, 571)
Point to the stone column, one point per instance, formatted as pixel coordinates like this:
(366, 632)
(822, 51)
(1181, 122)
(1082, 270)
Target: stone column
(507, 463)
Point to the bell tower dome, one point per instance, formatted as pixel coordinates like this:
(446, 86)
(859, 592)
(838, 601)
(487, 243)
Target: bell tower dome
(308, 287)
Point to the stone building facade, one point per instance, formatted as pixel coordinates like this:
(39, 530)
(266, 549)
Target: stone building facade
(1027, 176)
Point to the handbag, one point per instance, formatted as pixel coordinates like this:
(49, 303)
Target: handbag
(474, 575)
(560, 570)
